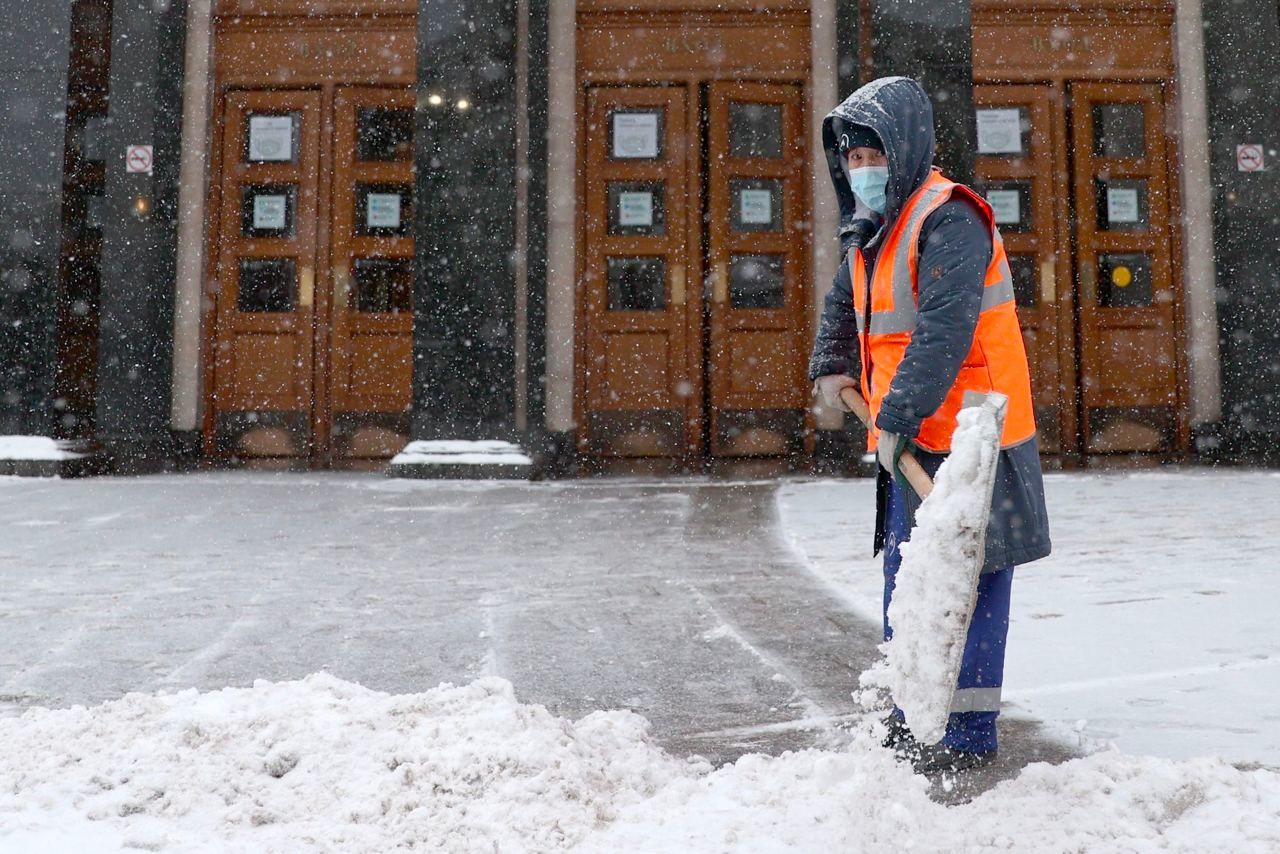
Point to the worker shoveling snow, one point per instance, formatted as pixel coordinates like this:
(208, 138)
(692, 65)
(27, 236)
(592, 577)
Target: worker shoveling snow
(936, 586)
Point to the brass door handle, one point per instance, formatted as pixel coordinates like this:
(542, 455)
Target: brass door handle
(341, 287)
(306, 287)
(677, 284)
(1048, 282)
(720, 282)
(1088, 282)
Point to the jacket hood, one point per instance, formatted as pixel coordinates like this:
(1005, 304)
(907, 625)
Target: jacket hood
(898, 110)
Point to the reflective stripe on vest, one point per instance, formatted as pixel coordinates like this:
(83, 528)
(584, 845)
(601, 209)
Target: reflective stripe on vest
(893, 315)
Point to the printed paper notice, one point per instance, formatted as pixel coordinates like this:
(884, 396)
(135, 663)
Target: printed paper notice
(269, 213)
(999, 132)
(755, 207)
(382, 210)
(1122, 204)
(270, 138)
(635, 209)
(1006, 205)
(635, 135)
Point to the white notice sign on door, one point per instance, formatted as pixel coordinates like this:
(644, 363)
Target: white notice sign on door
(269, 213)
(1122, 204)
(635, 209)
(382, 210)
(635, 135)
(999, 132)
(270, 138)
(755, 207)
(1006, 205)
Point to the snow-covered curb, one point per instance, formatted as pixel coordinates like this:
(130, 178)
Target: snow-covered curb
(41, 448)
(325, 765)
(487, 452)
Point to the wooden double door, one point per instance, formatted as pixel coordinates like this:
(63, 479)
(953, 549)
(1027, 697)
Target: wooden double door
(1078, 174)
(693, 298)
(313, 282)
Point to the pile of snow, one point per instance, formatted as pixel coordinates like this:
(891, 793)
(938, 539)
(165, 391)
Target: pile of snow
(936, 585)
(35, 448)
(325, 765)
(487, 452)
(320, 765)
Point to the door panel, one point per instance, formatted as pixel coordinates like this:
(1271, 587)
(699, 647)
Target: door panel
(641, 390)
(313, 327)
(1127, 301)
(756, 254)
(1082, 202)
(679, 370)
(371, 271)
(1019, 178)
(265, 276)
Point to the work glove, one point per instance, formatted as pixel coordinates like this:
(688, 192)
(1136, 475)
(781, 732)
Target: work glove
(889, 449)
(828, 388)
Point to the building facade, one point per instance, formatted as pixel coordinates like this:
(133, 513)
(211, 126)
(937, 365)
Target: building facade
(306, 232)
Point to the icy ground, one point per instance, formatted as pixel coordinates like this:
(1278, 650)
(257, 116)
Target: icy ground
(681, 601)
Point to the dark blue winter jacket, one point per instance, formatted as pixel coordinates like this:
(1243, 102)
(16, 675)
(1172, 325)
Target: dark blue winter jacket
(955, 249)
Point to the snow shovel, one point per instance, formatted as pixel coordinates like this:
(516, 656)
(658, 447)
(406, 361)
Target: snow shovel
(936, 588)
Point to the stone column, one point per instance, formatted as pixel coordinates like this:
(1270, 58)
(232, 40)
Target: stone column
(1199, 275)
(192, 192)
(561, 215)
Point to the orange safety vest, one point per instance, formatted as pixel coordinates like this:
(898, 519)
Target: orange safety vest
(997, 359)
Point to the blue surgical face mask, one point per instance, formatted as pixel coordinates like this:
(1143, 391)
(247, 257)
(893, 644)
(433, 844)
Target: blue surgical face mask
(868, 183)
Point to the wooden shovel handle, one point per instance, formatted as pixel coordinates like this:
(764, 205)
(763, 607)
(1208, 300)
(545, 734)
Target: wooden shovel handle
(911, 468)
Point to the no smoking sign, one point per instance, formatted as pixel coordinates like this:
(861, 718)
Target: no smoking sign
(1249, 158)
(138, 159)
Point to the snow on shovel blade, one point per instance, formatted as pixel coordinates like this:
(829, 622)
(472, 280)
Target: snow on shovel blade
(937, 583)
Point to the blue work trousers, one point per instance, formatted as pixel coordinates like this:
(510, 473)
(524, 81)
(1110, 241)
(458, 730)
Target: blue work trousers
(982, 668)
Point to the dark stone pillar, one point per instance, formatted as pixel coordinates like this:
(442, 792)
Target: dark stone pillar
(932, 41)
(836, 452)
(34, 48)
(537, 255)
(1242, 63)
(464, 365)
(139, 233)
(847, 54)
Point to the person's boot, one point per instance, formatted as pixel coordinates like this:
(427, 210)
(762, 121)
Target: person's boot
(898, 737)
(941, 759)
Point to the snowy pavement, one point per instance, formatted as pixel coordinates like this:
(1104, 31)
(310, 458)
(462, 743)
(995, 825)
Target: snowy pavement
(733, 617)
(1152, 626)
(675, 601)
